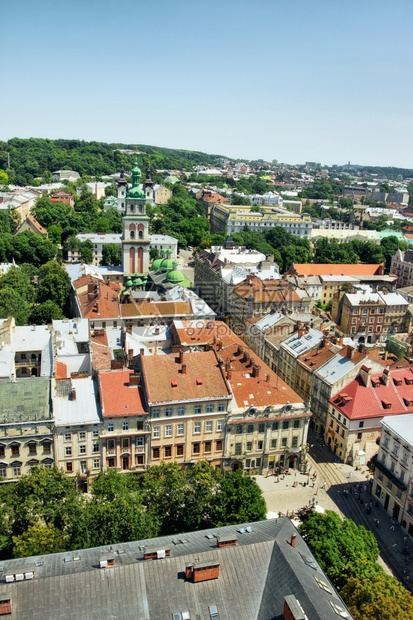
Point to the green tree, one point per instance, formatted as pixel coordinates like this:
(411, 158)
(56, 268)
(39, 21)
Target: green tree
(86, 251)
(382, 598)
(236, 199)
(38, 539)
(13, 304)
(54, 284)
(19, 281)
(4, 177)
(111, 254)
(45, 313)
(43, 494)
(342, 548)
(238, 500)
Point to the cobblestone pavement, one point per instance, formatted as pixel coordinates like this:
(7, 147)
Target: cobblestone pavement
(296, 490)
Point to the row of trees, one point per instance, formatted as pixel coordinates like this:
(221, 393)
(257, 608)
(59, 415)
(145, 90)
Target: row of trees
(34, 295)
(45, 513)
(348, 554)
(357, 251)
(183, 217)
(35, 157)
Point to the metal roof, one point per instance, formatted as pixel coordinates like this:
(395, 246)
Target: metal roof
(255, 576)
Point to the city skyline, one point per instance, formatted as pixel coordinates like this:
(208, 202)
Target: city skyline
(303, 82)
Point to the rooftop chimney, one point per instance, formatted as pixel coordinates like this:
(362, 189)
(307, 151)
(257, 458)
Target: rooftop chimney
(256, 370)
(240, 349)
(134, 378)
(365, 375)
(267, 378)
(386, 376)
(181, 357)
(293, 539)
(351, 352)
(183, 369)
(142, 352)
(246, 357)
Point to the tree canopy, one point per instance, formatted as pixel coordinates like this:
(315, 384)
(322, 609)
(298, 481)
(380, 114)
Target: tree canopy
(44, 512)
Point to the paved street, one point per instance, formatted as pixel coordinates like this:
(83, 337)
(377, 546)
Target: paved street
(283, 496)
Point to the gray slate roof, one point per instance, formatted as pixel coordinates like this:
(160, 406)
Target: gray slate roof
(255, 576)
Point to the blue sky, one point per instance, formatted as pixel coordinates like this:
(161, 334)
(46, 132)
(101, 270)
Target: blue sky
(293, 80)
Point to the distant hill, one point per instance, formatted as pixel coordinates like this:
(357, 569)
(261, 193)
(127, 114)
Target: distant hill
(38, 157)
(388, 172)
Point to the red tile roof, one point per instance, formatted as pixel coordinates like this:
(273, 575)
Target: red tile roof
(263, 390)
(266, 291)
(35, 224)
(318, 357)
(61, 371)
(368, 402)
(100, 303)
(203, 378)
(118, 398)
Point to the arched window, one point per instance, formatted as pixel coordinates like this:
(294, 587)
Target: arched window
(132, 229)
(140, 233)
(132, 234)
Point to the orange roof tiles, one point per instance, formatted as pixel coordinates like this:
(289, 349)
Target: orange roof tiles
(61, 370)
(99, 300)
(315, 359)
(118, 398)
(156, 308)
(263, 390)
(36, 225)
(327, 269)
(266, 291)
(200, 379)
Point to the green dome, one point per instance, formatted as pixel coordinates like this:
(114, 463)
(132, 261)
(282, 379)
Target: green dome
(137, 282)
(128, 282)
(135, 191)
(175, 276)
(126, 293)
(167, 263)
(156, 264)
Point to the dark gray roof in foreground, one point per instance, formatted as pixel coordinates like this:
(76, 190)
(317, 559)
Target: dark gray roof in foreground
(255, 576)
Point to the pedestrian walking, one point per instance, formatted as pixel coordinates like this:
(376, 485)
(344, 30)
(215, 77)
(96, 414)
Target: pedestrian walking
(324, 484)
(375, 520)
(392, 527)
(377, 523)
(349, 476)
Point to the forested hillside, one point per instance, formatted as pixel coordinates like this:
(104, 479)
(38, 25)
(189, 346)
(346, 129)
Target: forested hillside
(37, 157)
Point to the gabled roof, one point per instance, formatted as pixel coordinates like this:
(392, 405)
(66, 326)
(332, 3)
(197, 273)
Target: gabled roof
(262, 390)
(357, 401)
(119, 398)
(255, 577)
(165, 381)
(100, 303)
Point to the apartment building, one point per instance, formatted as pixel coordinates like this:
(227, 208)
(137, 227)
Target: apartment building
(393, 469)
(355, 413)
(187, 398)
(254, 298)
(402, 267)
(267, 423)
(77, 427)
(333, 376)
(125, 433)
(26, 426)
(369, 315)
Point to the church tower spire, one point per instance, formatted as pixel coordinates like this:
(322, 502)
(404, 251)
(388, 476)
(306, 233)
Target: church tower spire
(135, 229)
